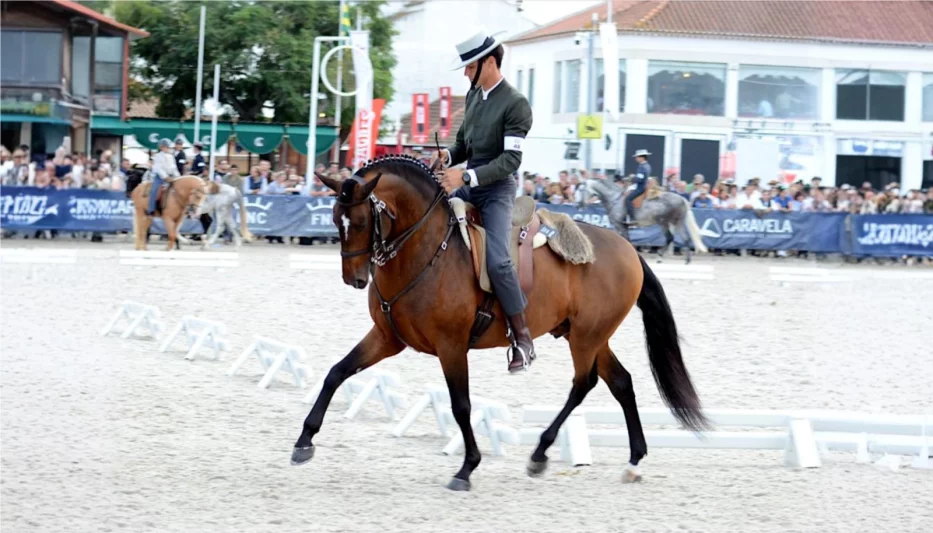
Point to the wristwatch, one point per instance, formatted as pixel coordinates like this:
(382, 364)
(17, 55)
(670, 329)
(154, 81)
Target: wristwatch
(466, 178)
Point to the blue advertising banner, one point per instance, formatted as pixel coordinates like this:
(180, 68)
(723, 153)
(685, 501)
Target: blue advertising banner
(892, 235)
(32, 208)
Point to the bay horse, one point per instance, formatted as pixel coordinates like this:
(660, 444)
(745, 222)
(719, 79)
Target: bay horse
(182, 196)
(397, 230)
(668, 210)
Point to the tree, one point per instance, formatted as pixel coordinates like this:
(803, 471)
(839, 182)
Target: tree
(264, 49)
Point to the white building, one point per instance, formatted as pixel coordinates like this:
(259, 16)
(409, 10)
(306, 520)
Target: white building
(841, 90)
(428, 32)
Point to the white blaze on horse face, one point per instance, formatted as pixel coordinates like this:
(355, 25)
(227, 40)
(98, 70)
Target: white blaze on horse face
(346, 226)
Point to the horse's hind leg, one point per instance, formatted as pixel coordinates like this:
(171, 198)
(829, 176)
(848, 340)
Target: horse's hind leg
(373, 348)
(584, 379)
(685, 235)
(619, 382)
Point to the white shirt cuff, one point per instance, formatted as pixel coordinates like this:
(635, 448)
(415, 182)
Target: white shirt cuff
(472, 174)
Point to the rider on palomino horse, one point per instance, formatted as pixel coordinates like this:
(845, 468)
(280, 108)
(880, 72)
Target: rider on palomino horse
(495, 123)
(163, 168)
(641, 180)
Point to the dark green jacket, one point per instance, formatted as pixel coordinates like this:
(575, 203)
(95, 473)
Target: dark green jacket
(492, 133)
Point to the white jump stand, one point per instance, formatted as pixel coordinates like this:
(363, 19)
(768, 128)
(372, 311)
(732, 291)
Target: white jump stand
(486, 419)
(370, 385)
(137, 315)
(199, 334)
(273, 355)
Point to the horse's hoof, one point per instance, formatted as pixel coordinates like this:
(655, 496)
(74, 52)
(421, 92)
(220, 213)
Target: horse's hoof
(459, 485)
(301, 455)
(536, 468)
(631, 474)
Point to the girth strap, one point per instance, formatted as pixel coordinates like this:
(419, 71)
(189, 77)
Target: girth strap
(483, 318)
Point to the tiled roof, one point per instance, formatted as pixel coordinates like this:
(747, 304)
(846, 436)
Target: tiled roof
(147, 109)
(75, 7)
(457, 107)
(875, 22)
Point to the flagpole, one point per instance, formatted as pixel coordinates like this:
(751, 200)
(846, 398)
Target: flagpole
(335, 156)
(197, 96)
(210, 172)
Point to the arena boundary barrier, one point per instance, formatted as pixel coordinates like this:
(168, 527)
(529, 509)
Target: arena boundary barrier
(802, 434)
(40, 256)
(176, 258)
(680, 271)
(199, 333)
(314, 262)
(273, 356)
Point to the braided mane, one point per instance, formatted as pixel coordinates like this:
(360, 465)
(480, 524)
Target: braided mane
(412, 170)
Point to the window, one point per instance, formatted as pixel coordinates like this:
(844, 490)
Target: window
(870, 95)
(572, 94)
(600, 85)
(108, 71)
(531, 87)
(31, 57)
(928, 97)
(686, 88)
(779, 92)
(519, 82)
(558, 79)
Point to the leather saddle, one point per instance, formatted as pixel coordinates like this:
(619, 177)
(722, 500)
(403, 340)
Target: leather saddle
(160, 193)
(525, 238)
(636, 203)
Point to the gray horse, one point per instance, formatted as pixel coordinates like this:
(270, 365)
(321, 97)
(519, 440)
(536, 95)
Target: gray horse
(219, 204)
(669, 210)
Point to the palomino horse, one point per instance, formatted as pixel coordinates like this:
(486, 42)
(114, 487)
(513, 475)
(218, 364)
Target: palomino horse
(424, 294)
(669, 210)
(219, 204)
(183, 196)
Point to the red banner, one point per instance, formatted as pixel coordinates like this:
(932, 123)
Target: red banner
(364, 134)
(445, 112)
(420, 117)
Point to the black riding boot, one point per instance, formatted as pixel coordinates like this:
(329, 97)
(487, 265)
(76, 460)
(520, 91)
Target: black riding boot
(523, 349)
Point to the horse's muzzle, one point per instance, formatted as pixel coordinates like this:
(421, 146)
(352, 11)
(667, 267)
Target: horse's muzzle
(359, 284)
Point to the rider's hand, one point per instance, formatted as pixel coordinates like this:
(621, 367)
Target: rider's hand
(451, 179)
(442, 155)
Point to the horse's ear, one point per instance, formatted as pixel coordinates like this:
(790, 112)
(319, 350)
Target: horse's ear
(371, 186)
(331, 183)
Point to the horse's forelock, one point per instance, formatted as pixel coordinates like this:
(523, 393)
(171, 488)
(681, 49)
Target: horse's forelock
(346, 189)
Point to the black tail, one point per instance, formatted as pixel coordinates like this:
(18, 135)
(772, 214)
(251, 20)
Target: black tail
(667, 364)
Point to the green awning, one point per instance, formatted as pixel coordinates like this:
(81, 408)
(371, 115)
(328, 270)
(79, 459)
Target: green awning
(324, 138)
(148, 131)
(259, 138)
(223, 133)
(110, 125)
(22, 117)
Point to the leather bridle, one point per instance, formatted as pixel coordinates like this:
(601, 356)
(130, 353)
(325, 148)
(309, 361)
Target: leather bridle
(381, 251)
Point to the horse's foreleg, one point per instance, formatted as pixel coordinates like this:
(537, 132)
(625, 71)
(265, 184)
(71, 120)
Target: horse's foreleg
(584, 379)
(373, 348)
(171, 228)
(457, 375)
(619, 382)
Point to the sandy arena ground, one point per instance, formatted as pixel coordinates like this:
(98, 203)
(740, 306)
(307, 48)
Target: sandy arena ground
(104, 434)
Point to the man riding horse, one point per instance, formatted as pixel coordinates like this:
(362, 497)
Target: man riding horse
(164, 168)
(641, 182)
(495, 123)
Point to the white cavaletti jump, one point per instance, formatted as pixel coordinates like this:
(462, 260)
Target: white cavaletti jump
(488, 418)
(199, 334)
(371, 384)
(789, 275)
(801, 434)
(138, 315)
(177, 258)
(273, 356)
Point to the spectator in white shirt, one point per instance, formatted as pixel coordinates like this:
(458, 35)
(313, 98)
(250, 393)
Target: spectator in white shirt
(748, 199)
